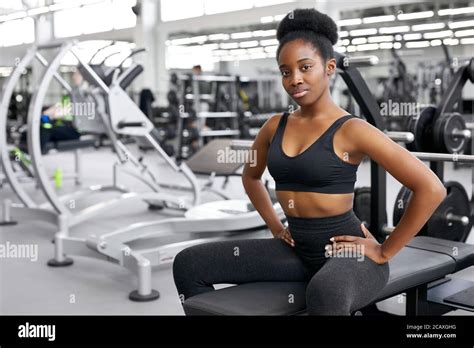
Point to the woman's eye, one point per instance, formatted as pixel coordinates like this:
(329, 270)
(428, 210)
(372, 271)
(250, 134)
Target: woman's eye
(306, 67)
(285, 73)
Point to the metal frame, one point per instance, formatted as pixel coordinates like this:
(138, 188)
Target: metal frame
(113, 246)
(127, 158)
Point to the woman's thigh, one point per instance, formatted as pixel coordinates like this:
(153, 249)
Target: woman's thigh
(345, 284)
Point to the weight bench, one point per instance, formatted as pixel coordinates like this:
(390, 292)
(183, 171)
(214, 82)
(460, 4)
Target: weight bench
(417, 270)
(70, 145)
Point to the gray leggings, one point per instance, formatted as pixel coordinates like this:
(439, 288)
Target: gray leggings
(338, 285)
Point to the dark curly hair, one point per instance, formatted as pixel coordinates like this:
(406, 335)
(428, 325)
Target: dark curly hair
(311, 26)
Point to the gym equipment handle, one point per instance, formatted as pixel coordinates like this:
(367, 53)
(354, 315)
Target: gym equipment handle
(464, 220)
(121, 125)
(450, 218)
(363, 61)
(457, 133)
(404, 137)
(443, 157)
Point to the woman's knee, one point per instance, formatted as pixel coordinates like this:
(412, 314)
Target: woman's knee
(324, 297)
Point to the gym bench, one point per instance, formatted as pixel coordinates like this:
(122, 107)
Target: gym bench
(420, 281)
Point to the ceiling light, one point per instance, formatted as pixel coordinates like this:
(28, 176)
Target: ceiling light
(271, 32)
(451, 41)
(415, 36)
(267, 19)
(438, 34)
(436, 42)
(467, 41)
(393, 30)
(461, 24)
(461, 33)
(216, 37)
(247, 44)
(367, 47)
(359, 40)
(269, 42)
(347, 22)
(199, 39)
(416, 15)
(417, 44)
(278, 18)
(455, 11)
(229, 45)
(271, 49)
(183, 41)
(430, 26)
(386, 45)
(382, 38)
(378, 19)
(243, 35)
(361, 32)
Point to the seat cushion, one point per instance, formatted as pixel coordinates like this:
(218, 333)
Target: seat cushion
(409, 268)
(262, 298)
(463, 253)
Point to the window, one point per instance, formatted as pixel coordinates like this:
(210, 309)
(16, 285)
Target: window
(123, 15)
(94, 18)
(172, 10)
(23, 29)
(219, 6)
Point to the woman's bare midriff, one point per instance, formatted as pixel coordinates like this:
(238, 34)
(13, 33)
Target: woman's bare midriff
(313, 204)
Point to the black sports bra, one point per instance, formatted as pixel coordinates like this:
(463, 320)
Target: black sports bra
(316, 169)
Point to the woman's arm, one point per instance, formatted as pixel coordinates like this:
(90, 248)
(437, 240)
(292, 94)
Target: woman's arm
(251, 177)
(428, 190)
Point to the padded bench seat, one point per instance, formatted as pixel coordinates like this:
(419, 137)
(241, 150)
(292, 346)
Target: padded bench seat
(424, 260)
(68, 145)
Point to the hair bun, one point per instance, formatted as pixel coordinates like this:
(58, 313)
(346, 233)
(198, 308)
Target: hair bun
(308, 19)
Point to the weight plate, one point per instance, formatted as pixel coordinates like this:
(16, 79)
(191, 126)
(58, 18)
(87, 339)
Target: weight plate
(362, 204)
(457, 203)
(438, 226)
(422, 129)
(401, 203)
(362, 208)
(442, 134)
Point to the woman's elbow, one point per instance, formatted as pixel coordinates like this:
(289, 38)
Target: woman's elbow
(438, 191)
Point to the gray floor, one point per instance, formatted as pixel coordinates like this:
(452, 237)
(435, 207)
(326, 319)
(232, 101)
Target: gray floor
(91, 286)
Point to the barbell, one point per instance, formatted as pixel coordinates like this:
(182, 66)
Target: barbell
(448, 133)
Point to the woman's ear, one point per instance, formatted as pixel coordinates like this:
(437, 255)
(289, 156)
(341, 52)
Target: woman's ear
(331, 66)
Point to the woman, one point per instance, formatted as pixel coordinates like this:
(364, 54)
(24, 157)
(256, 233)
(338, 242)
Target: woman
(313, 154)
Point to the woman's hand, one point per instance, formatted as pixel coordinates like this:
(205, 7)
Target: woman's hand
(286, 236)
(369, 246)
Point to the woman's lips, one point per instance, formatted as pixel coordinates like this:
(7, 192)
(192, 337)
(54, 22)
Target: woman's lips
(299, 94)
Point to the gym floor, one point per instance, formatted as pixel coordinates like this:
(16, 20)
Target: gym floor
(92, 286)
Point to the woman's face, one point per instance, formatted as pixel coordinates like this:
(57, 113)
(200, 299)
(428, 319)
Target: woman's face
(305, 76)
